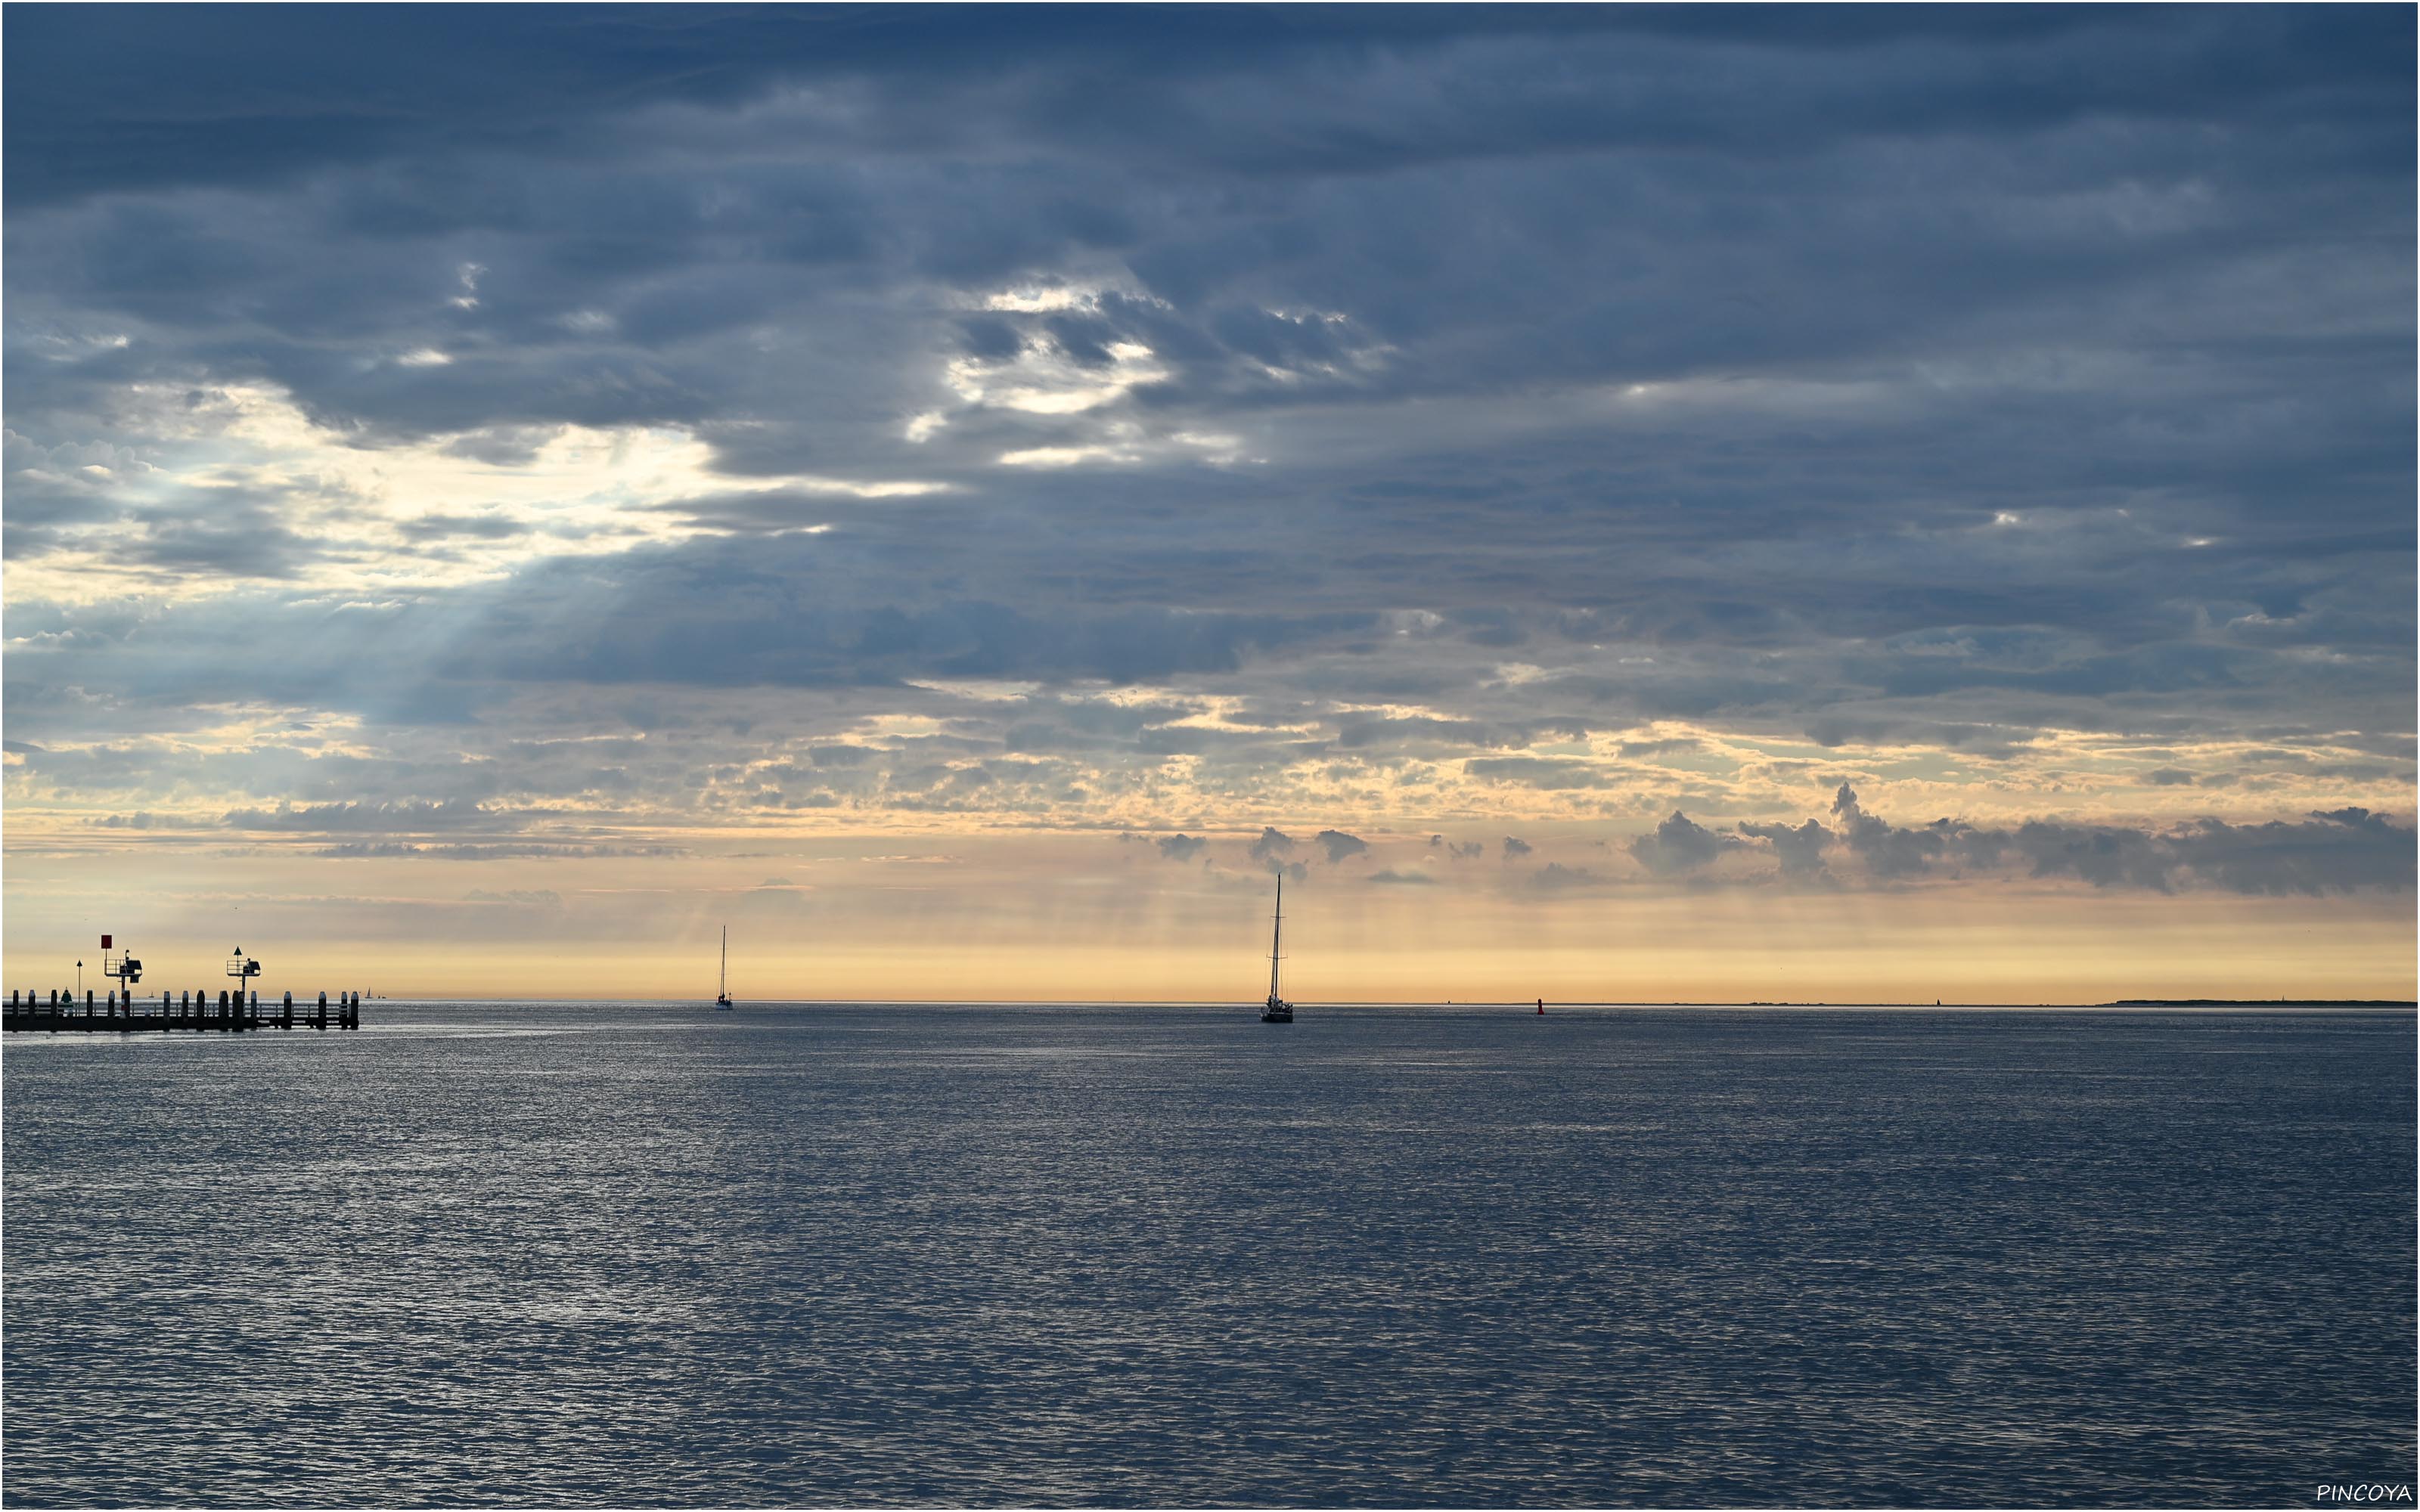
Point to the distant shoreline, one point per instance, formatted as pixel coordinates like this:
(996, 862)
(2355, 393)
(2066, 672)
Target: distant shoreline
(2260, 1002)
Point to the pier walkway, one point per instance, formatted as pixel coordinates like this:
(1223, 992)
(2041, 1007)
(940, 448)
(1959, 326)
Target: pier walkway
(233, 1012)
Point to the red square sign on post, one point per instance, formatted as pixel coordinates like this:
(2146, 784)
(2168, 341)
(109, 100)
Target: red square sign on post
(104, 942)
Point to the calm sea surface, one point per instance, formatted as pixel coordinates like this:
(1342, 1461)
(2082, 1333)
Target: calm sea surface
(656, 1255)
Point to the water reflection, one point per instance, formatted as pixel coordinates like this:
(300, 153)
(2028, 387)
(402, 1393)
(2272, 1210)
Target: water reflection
(995, 1255)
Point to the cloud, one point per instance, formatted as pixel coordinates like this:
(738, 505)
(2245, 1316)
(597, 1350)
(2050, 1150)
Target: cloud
(1181, 847)
(1272, 844)
(1541, 772)
(1915, 460)
(2344, 850)
(486, 851)
(516, 897)
(1516, 847)
(386, 818)
(1799, 851)
(1888, 851)
(1679, 845)
(1339, 845)
(147, 821)
(1634, 749)
(1394, 878)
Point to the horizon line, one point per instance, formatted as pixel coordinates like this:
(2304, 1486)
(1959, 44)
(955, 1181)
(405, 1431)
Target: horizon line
(2123, 1003)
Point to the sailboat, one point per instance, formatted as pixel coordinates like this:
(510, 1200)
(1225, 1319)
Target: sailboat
(722, 982)
(1276, 1009)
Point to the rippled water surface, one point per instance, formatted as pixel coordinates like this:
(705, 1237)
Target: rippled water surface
(644, 1254)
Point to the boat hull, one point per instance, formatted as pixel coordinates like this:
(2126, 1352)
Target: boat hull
(1273, 1011)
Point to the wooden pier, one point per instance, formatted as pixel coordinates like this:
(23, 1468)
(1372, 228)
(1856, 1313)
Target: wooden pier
(234, 1011)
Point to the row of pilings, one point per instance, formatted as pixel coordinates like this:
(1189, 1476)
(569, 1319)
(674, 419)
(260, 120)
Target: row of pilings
(233, 1012)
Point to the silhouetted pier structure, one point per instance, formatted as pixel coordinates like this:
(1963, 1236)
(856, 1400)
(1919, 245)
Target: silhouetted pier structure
(234, 1011)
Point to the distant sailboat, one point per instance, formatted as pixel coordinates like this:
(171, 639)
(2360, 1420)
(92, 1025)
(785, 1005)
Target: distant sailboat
(722, 982)
(1276, 1009)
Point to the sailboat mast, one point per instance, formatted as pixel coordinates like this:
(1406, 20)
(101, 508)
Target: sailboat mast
(723, 976)
(1277, 920)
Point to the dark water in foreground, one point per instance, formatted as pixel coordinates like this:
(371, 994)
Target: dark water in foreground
(484, 1254)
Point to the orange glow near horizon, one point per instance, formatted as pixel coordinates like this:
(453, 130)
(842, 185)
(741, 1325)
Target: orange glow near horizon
(1081, 917)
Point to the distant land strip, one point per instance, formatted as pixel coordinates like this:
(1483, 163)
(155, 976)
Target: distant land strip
(2262, 1002)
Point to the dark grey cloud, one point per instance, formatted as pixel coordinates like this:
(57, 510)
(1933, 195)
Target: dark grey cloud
(1181, 847)
(1633, 749)
(1516, 847)
(2344, 850)
(1889, 851)
(1273, 844)
(430, 528)
(147, 821)
(1679, 845)
(784, 615)
(1339, 845)
(350, 86)
(1799, 851)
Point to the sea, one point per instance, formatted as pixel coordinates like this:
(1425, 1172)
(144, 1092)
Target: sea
(628, 1254)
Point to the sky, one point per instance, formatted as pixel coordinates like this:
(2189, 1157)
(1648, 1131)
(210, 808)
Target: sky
(1627, 503)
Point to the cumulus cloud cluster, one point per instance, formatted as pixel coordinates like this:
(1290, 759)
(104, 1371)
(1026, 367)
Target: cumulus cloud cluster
(2342, 851)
